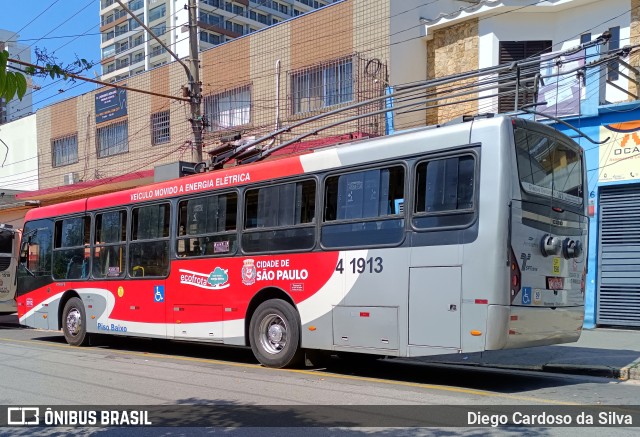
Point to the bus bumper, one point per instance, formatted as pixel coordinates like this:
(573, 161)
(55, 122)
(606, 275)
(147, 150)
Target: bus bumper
(532, 326)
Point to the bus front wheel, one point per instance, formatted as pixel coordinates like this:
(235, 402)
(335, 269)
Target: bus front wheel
(274, 333)
(74, 322)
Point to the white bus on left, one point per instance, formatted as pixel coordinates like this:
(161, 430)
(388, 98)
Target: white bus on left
(9, 248)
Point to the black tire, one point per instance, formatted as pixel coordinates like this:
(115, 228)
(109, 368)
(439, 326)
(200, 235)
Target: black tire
(274, 334)
(74, 324)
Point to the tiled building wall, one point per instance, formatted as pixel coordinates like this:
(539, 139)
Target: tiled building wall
(355, 30)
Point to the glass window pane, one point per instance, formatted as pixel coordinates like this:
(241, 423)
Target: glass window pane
(151, 222)
(445, 184)
(111, 227)
(281, 205)
(366, 194)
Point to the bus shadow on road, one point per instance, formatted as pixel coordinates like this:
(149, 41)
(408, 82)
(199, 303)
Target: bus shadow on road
(164, 347)
(397, 370)
(469, 377)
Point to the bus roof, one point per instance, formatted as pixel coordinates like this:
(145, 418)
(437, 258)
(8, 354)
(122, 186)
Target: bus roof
(359, 151)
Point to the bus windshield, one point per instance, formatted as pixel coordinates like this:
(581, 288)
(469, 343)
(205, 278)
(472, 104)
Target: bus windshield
(548, 167)
(6, 243)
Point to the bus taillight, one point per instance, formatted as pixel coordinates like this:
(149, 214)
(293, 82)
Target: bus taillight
(515, 276)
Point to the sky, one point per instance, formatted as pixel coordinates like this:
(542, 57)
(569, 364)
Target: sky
(64, 27)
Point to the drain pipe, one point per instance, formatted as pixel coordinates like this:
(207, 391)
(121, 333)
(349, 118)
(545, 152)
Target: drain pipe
(273, 140)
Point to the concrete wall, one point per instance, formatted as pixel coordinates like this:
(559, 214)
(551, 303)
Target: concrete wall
(563, 28)
(19, 171)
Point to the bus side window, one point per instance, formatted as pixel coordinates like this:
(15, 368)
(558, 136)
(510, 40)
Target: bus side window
(445, 192)
(207, 225)
(363, 208)
(71, 248)
(110, 235)
(280, 217)
(149, 246)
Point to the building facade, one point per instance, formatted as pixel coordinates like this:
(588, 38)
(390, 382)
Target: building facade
(486, 33)
(127, 49)
(318, 62)
(15, 108)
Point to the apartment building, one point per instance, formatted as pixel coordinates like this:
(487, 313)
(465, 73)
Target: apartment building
(15, 108)
(127, 49)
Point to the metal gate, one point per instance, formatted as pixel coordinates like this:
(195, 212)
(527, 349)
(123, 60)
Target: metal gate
(619, 256)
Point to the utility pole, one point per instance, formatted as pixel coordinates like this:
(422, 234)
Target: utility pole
(194, 94)
(195, 87)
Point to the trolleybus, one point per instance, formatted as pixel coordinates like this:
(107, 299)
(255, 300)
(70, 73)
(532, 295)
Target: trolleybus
(456, 238)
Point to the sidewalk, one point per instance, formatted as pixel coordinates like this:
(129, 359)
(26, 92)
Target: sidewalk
(613, 353)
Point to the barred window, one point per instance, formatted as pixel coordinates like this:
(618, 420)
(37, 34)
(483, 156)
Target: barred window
(228, 109)
(160, 133)
(321, 86)
(65, 150)
(112, 139)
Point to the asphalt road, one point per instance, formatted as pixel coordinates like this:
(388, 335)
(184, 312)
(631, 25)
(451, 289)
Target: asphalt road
(39, 368)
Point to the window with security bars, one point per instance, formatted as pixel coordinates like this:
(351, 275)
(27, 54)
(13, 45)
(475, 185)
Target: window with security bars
(322, 86)
(160, 133)
(511, 51)
(112, 139)
(228, 109)
(65, 150)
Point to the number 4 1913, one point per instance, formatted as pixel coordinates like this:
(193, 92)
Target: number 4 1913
(362, 265)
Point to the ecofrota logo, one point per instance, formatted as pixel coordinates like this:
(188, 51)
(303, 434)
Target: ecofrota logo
(23, 416)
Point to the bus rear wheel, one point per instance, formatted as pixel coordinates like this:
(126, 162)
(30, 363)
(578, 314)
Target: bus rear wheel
(74, 324)
(274, 334)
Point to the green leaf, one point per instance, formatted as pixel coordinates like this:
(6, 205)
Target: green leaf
(21, 85)
(10, 86)
(4, 55)
(3, 80)
(52, 74)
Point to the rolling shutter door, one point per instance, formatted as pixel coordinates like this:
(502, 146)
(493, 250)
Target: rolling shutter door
(619, 257)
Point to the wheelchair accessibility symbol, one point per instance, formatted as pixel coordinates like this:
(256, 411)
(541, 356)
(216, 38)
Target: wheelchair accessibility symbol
(158, 293)
(526, 295)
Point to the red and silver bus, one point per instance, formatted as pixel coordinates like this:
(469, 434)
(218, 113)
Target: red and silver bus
(9, 245)
(459, 238)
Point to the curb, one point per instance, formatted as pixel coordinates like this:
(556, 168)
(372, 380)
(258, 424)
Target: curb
(590, 370)
(629, 372)
(632, 371)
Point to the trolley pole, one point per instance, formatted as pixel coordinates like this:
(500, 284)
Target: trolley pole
(195, 87)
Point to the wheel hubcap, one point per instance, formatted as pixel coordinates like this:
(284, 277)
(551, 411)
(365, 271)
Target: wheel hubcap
(74, 321)
(273, 333)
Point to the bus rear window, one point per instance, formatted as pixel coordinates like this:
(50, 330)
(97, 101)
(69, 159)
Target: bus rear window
(548, 167)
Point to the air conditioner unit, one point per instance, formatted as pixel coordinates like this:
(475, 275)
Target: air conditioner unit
(71, 178)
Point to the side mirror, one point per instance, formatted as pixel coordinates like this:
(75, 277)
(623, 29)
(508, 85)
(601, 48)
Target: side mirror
(24, 250)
